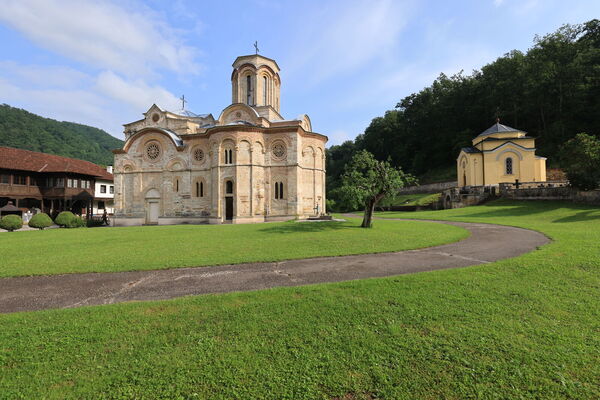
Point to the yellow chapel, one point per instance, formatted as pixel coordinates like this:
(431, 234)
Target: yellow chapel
(500, 154)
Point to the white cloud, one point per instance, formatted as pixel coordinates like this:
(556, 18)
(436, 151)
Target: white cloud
(101, 34)
(105, 101)
(47, 75)
(125, 51)
(137, 93)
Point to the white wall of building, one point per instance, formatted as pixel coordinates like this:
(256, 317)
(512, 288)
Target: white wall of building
(104, 195)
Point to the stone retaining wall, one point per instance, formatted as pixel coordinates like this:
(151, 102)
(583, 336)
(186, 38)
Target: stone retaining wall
(429, 188)
(555, 193)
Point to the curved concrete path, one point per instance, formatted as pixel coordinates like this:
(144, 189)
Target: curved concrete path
(487, 243)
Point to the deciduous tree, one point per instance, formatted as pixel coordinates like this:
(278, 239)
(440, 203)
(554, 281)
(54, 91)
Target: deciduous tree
(366, 181)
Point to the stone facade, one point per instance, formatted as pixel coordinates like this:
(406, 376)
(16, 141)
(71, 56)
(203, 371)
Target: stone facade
(248, 165)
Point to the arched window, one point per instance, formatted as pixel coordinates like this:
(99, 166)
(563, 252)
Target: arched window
(278, 190)
(264, 90)
(509, 166)
(200, 189)
(228, 156)
(229, 187)
(249, 90)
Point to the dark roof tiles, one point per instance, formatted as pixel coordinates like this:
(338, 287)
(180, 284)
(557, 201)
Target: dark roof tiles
(25, 160)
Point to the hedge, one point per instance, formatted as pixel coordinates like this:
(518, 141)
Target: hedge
(11, 222)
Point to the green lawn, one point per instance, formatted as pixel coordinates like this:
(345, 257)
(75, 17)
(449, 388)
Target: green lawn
(411, 200)
(528, 327)
(56, 251)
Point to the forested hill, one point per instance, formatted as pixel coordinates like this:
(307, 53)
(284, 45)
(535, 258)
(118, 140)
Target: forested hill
(24, 130)
(551, 91)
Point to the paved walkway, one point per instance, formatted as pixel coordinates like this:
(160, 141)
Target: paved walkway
(487, 243)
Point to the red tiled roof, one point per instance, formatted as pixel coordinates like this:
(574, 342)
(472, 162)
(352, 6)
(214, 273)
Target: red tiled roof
(25, 160)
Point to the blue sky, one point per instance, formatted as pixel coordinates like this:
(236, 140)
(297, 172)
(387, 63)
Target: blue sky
(343, 63)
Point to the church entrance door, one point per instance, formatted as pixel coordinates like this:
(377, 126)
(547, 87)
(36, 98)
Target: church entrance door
(229, 208)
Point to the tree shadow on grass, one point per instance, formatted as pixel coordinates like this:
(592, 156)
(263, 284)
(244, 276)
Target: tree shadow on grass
(504, 208)
(310, 227)
(583, 216)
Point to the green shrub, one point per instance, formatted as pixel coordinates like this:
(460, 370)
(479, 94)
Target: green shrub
(67, 219)
(11, 222)
(76, 222)
(64, 219)
(40, 221)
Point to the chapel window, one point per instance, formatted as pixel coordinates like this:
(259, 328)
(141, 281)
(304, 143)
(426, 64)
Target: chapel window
(177, 185)
(509, 166)
(229, 187)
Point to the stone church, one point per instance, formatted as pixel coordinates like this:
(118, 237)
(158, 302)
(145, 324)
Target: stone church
(248, 165)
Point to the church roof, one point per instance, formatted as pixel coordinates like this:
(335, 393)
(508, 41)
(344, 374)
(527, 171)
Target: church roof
(187, 113)
(498, 128)
(471, 150)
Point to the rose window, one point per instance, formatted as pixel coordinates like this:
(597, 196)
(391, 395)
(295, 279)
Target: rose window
(199, 155)
(279, 150)
(153, 151)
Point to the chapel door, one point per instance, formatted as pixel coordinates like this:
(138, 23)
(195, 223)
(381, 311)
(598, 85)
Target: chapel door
(152, 210)
(229, 208)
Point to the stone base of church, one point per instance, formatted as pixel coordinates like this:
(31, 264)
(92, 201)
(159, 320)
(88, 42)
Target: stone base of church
(280, 218)
(136, 221)
(127, 221)
(182, 221)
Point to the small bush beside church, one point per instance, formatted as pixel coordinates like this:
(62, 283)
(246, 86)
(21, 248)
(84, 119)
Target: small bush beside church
(40, 221)
(67, 219)
(11, 222)
(581, 159)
